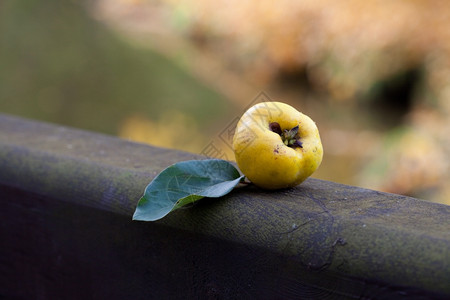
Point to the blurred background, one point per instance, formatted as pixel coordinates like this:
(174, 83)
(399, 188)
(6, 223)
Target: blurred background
(374, 75)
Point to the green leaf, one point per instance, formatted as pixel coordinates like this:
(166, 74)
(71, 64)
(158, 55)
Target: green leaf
(184, 183)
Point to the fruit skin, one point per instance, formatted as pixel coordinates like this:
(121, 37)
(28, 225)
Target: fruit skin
(262, 155)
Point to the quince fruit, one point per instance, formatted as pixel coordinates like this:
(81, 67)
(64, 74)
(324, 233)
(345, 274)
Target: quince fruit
(276, 146)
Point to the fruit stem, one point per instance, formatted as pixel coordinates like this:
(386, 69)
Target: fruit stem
(245, 181)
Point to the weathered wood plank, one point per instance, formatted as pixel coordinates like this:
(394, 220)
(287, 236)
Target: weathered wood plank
(73, 193)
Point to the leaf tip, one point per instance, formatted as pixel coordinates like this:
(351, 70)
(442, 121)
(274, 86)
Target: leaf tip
(135, 217)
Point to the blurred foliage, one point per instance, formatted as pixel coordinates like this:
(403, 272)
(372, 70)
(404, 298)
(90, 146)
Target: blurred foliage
(59, 65)
(344, 47)
(375, 75)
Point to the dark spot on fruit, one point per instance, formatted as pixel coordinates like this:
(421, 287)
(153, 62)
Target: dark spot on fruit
(275, 127)
(297, 143)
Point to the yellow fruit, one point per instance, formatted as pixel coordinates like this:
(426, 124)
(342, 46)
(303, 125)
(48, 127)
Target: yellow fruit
(276, 146)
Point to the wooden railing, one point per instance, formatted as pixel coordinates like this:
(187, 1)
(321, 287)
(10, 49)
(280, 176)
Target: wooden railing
(67, 197)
